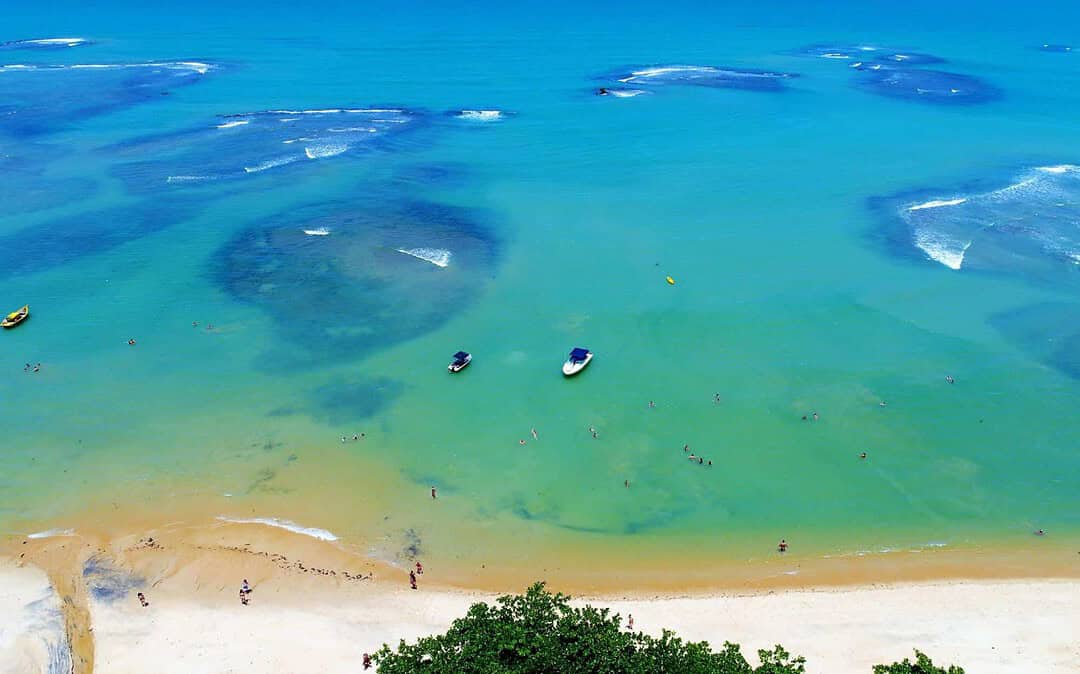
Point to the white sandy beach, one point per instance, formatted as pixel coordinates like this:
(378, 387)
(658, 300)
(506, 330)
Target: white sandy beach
(301, 622)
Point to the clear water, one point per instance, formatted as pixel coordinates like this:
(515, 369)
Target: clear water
(341, 271)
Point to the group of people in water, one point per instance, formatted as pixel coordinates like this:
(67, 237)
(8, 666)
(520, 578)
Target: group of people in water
(36, 368)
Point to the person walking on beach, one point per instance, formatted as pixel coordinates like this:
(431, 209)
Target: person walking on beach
(243, 598)
(419, 569)
(782, 546)
(412, 580)
(142, 600)
(245, 588)
(367, 661)
(630, 622)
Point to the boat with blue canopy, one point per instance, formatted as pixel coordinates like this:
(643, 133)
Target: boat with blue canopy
(461, 359)
(576, 361)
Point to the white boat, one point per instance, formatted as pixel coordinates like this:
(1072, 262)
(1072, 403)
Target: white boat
(576, 361)
(461, 359)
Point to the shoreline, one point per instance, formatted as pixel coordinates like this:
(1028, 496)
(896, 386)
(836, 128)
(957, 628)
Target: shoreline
(346, 604)
(585, 570)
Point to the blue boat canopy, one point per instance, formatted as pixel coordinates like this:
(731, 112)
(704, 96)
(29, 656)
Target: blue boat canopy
(578, 354)
(460, 355)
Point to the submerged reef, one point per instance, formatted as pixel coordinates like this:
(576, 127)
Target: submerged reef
(248, 144)
(343, 280)
(39, 99)
(897, 73)
(625, 82)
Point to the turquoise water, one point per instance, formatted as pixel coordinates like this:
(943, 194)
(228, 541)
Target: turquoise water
(780, 210)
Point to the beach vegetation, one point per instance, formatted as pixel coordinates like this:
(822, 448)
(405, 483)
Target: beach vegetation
(922, 665)
(540, 631)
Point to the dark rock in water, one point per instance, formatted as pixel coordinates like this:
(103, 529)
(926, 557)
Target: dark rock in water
(47, 43)
(1027, 225)
(1048, 332)
(345, 280)
(924, 86)
(1056, 48)
(56, 242)
(38, 99)
(106, 582)
(699, 76)
(257, 143)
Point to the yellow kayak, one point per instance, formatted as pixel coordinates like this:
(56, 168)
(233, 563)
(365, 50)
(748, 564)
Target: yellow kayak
(16, 317)
(671, 280)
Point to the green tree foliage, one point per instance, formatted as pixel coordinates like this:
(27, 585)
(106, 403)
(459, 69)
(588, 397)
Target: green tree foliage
(922, 665)
(540, 633)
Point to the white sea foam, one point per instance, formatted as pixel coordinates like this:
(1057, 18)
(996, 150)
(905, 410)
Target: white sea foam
(941, 248)
(193, 66)
(666, 70)
(229, 125)
(269, 164)
(1059, 169)
(325, 150)
(481, 115)
(55, 41)
(937, 203)
(188, 179)
(436, 256)
(835, 56)
(321, 231)
(321, 534)
(52, 533)
(626, 93)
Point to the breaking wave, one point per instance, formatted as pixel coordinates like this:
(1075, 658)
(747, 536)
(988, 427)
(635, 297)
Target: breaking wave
(321, 534)
(1029, 226)
(436, 256)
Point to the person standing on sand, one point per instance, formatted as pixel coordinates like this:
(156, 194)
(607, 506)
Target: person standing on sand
(782, 546)
(367, 661)
(245, 588)
(433, 495)
(419, 569)
(412, 580)
(630, 622)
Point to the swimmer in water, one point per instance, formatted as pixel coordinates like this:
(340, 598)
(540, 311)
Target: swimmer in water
(815, 415)
(521, 442)
(862, 456)
(1040, 532)
(534, 434)
(692, 457)
(602, 91)
(686, 448)
(950, 379)
(131, 342)
(652, 404)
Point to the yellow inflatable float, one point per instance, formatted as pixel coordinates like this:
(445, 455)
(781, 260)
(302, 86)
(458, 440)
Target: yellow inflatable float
(670, 281)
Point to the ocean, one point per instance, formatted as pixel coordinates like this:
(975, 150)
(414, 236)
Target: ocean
(300, 215)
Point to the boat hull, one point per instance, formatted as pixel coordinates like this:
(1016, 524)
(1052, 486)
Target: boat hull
(570, 368)
(20, 316)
